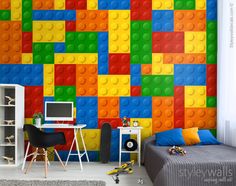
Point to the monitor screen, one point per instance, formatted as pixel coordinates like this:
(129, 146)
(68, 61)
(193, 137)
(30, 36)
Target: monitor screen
(59, 111)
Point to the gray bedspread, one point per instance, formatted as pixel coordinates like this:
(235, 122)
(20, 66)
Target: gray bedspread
(208, 165)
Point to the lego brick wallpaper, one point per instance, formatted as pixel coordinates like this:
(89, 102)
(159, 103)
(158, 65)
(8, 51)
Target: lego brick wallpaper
(150, 60)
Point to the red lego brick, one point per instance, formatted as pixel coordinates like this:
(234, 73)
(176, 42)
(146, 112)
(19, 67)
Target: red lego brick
(33, 100)
(141, 10)
(65, 75)
(69, 135)
(179, 107)
(70, 26)
(76, 4)
(211, 80)
(27, 42)
(168, 42)
(114, 122)
(119, 63)
(136, 91)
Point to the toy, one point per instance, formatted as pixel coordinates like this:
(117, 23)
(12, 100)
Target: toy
(125, 122)
(10, 100)
(9, 138)
(175, 150)
(9, 122)
(135, 123)
(126, 168)
(8, 159)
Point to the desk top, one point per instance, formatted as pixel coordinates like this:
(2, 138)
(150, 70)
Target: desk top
(61, 126)
(130, 128)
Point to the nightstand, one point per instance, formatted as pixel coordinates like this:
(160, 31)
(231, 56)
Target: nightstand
(131, 131)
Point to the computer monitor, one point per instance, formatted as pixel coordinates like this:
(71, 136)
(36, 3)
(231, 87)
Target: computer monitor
(59, 111)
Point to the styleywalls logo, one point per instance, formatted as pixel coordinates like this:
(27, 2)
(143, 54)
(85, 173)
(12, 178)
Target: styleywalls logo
(214, 175)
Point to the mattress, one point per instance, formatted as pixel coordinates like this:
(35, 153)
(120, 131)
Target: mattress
(206, 165)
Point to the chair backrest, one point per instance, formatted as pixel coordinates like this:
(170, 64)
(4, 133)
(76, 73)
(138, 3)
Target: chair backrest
(35, 135)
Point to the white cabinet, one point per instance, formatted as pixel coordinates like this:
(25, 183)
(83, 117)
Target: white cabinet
(11, 124)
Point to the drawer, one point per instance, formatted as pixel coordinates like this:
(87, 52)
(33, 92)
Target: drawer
(129, 131)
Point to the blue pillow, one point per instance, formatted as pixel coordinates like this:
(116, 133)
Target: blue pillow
(170, 138)
(207, 138)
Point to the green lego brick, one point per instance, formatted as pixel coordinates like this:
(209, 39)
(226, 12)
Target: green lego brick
(43, 53)
(184, 5)
(26, 15)
(65, 93)
(211, 101)
(5, 15)
(214, 132)
(141, 42)
(211, 42)
(157, 85)
(81, 42)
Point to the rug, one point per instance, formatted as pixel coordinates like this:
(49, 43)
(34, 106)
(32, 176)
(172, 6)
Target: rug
(51, 183)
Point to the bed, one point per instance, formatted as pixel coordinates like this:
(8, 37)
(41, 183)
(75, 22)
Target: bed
(206, 165)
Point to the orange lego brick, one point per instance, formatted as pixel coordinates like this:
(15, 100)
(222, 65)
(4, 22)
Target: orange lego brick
(11, 42)
(200, 117)
(162, 113)
(146, 69)
(43, 4)
(86, 80)
(178, 58)
(108, 107)
(92, 20)
(191, 20)
(5, 4)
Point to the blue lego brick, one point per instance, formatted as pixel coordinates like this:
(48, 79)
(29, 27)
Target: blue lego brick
(67, 15)
(190, 75)
(135, 69)
(102, 53)
(93, 155)
(136, 107)
(113, 4)
(26, 75)
(86, 111)
(211, 10)
(60, 48)
(162, 20)
(135, 80)
(114, 151)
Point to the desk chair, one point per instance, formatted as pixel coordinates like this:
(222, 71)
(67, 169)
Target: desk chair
(39, 139)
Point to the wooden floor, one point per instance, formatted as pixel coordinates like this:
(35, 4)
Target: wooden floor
(92, 171)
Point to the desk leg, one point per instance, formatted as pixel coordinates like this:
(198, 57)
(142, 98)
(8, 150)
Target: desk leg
(26, 155)
(85, 150)
(77, 146)
(72, 144)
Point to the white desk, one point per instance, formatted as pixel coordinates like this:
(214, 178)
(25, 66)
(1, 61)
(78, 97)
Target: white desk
(77, 128)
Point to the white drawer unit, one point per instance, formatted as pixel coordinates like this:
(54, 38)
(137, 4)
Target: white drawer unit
(130, 131)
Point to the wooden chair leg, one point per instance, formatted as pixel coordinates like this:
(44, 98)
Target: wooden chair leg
(46, 162)
(33, 158)
(60, 159)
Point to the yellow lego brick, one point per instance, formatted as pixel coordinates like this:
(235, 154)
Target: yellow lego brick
(158, 66)
(50, 154)
(59, 5)
(195, 96)
(146, 123)
(200, 4)
(74, 112)
(48, 78)
(92, 4)
(134, 156)
(91, 139)
(28, 120)
(16, 10)
(119, 31)
(27, 58)
(48, 31)
(162, 4)
(195, 42)
(72, 58)
(113, 85)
